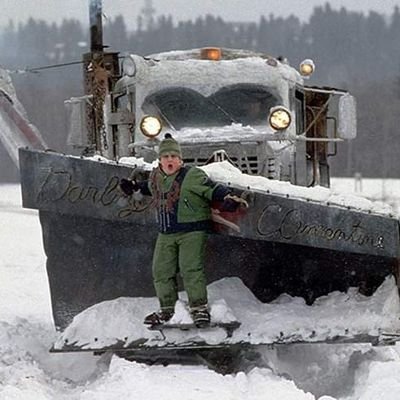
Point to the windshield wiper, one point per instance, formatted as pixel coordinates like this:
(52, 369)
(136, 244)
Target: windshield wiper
(226, 113)
(165, 118)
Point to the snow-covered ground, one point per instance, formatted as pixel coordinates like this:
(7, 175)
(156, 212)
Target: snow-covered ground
(28, 371)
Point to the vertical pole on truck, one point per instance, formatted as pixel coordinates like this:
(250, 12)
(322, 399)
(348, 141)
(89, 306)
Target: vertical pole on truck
(101, 70)
(96, 26)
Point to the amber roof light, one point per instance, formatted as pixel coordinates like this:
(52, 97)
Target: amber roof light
(211, 53)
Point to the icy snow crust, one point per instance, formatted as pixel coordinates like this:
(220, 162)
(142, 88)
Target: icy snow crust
(338, 314)
(228, 174)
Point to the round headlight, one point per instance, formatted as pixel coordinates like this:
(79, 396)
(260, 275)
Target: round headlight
(129, 66)
(307, 67)
(150, 126)
(279, 118)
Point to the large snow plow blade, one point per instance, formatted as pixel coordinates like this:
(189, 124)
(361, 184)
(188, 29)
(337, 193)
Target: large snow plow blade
(99, 244)
(99, 248)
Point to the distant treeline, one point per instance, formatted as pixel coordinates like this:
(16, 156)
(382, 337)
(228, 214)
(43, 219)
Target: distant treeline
(351, 50)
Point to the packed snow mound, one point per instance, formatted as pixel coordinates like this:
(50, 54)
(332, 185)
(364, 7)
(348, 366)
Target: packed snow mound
(120, 321)
(25, 358)
(379, 382)
(228, 174)
(108, 323)
(185, 382)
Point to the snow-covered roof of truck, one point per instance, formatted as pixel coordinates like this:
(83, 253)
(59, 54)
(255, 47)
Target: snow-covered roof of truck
(188, 68)
(227, 54)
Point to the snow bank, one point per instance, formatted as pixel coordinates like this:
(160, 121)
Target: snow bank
(194, 383)
(289, 318)
(22, 260)
(378, 380)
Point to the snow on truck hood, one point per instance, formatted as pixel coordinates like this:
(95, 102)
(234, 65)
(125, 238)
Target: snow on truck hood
(224, 172)
(338, 314)
(230, 133)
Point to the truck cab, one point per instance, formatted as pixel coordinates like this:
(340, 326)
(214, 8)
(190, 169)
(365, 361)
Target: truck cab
(249, 108)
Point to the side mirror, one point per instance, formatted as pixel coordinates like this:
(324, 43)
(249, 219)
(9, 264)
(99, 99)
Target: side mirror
(78, 136)
(347, 127)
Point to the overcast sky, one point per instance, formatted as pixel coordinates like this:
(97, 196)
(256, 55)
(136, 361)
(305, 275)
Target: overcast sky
(233, 10)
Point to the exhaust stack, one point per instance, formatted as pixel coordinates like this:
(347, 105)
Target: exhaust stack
(96, 25)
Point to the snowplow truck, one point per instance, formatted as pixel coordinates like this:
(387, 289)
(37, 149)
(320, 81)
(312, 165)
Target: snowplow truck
(246, 113)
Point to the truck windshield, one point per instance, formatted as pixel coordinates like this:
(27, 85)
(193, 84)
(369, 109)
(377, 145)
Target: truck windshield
(182, 107)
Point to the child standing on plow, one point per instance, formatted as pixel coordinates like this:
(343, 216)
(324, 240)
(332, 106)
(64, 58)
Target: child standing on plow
(182, 196)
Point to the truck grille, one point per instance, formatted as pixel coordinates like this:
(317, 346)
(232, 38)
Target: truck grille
(248, 157)
(248, 164)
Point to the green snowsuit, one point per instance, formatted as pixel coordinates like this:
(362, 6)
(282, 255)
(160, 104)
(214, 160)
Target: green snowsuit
(184, 215)
(180, 252)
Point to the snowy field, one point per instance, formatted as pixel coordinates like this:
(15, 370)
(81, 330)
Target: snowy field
(381, 190)
(28, 371)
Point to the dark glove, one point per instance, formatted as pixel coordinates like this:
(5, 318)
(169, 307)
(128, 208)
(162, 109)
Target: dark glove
(127, 186)
(231, 203)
